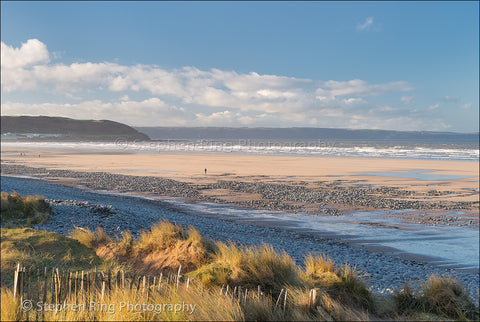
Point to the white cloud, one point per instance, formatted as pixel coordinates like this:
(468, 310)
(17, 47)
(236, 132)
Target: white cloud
(30, 53)
(451, 99)
(360, 88)
(192, 97)
(433, 107)
(130, 112)
(213, 88)
(407, 99)
(465, 106)
(366, 25)
(156, 112)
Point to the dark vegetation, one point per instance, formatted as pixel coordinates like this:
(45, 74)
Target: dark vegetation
(320, 290)
(23, 211)
(72, 129)
(303, 133)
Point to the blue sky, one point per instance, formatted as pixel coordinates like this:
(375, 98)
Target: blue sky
(387, 65)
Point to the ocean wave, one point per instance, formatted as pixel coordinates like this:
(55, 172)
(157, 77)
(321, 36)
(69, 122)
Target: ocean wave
(291, 148)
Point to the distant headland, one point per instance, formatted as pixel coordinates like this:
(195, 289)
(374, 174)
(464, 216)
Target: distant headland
(62, 128)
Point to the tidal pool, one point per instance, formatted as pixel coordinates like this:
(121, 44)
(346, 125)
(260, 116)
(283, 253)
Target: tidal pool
(424, 175)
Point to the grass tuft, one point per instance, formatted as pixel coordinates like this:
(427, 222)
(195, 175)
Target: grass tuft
(90, 239)
(343, 284)
(250, 267)
(448, 297)
(321, 291)
(404, 300)
(23, 211)
(160, 237)
(37, 249)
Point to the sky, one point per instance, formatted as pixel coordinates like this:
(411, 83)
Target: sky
(364, 65)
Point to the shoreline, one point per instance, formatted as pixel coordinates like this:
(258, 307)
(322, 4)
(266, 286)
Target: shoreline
(398, 220)
(328, 149)
(383, 271)
(438, 194)
(333, 198)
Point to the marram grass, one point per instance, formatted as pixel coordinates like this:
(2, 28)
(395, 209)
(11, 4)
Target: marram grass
(229, 282)
(18, 211)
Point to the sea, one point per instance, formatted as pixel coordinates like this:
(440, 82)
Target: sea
(453, 151)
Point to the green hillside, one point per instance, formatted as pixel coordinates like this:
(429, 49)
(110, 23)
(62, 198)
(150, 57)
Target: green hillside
(68, 129)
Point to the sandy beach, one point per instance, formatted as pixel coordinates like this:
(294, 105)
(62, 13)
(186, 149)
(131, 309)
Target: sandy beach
(399, 173)
(431, 190)
(392, 193)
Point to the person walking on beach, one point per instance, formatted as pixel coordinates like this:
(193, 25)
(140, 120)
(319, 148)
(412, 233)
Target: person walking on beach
(205, 170)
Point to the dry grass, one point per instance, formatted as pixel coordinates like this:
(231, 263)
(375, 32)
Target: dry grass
(250, 267)
(10, 308)
(404, 300)
(164, 247)
(161, 236)
(342, 284)
(89, 238)
(171, 304)
(440, 298)
(18, 211)
(321, 291)
(447, 297)
(38, 249)
(193, 303)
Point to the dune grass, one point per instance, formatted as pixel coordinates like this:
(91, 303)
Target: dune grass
(226, 281)
(18, 211)
(441, 296)
(249, 267)
(38, 249)
(340, 294)
(164, 247)
(186, 304)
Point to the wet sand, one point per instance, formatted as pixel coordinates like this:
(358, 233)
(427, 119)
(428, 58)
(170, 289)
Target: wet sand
(294, 171)
(286, 169)
(430, 182)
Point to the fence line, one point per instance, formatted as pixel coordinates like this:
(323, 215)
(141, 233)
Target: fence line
(94, 285)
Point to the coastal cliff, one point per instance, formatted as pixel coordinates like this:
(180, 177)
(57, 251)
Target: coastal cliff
(62, 128)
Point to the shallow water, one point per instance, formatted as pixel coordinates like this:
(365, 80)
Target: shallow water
(423, 175)
(444, 245)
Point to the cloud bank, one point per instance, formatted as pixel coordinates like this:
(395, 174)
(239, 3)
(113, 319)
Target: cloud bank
(189, 96)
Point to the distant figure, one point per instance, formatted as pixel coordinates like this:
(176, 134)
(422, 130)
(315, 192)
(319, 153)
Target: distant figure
(205, 170)
(39, 155)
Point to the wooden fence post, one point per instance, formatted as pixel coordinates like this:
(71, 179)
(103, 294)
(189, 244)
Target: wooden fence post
(109, 274)
(75, 289)
(178, 275)
(143, 283)
(278, 300)
(28, 282)
(45, 285)
(103, 288)
(15, 281)
(82, 282)
(38, 284)
(95, 284)
(132, 281)
(160, 280)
